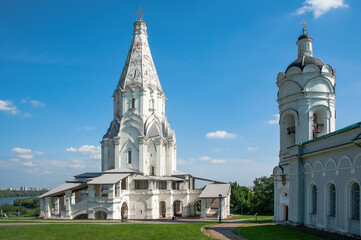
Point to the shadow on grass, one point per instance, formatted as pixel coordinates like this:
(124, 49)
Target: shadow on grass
(273, 232)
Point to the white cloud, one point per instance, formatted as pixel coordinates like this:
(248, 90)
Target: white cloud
(274, 121)
(39, 153)
(77, 164)
(91, 150)
(13, 160)
(27, 114)
(181, 162)
(46, 172)
(8, 106)
(36, 103)
(218, 161)
(320, 7)
(220, 134)
(29, 164)
(25, 156)
(252, 149)
(18, 150)
(205, 158)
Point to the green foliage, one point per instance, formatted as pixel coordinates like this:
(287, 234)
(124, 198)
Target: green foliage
(262, 200)
(240, 199)
(8, 208)
(244, 201)
(18, 193)
(27, 202)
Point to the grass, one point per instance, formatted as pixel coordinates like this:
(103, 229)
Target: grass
(253, 218)
(273, 232)
(97, 231)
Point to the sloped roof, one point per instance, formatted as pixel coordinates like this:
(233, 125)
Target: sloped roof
(61, 188)
(88, 175)
(213, 190)
(108, 179)
(142, 177)
(122, 170)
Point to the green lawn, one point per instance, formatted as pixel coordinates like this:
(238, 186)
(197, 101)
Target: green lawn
(273, 232)
(97, 231)
(253, 218)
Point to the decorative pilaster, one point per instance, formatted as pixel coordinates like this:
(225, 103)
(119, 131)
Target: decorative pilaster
(116, 142)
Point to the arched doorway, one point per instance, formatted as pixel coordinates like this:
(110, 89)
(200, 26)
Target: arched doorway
(285, 214)
(162, 210)
(124, 211)
(81, 216)
(100, 215)
(177, 208)
(197, 208)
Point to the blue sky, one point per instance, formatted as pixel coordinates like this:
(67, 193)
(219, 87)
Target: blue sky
(60, 62)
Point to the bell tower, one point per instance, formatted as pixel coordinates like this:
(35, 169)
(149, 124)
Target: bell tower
(306, 97)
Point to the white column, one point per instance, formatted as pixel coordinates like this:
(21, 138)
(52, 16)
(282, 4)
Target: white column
(91, 191)
(47, 207)
(203, 208)
(56, 206)
(67, 204)
(111, 191)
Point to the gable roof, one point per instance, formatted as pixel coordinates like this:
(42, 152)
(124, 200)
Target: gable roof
(213, 190)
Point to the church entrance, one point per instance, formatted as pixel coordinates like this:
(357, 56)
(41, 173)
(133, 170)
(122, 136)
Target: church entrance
(162, 210)
(197, 208)
(285, 218)
(177, 208)
(100, 215)
(124, 211)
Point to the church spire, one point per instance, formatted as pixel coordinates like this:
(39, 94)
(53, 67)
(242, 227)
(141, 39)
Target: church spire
(139, 69)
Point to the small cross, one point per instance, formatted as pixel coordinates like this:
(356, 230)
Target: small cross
(304, 24)
(140, 12)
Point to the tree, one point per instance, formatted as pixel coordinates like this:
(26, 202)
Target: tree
(240, 199)
(263, 194)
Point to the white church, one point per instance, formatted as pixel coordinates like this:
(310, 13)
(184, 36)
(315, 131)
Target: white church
(139, 177)
(317, 181)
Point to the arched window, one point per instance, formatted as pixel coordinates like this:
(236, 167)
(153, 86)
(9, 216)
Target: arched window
(129, 156)
(355, 201)
(332, 200)
(313, 199)
(133, 103)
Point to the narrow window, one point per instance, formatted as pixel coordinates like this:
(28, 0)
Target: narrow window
(129, 156)
(332, 200)
(355, 201)
(314, 199)
(133, 103)
(152, 171)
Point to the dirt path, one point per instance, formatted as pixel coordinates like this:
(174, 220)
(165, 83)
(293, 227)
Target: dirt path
(223, 231)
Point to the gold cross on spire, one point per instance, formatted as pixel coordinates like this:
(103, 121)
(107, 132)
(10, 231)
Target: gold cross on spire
(304, 25)
(140, 12)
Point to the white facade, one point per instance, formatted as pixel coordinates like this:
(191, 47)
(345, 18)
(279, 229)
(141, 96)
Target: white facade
(317, 165)
(139, 179)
